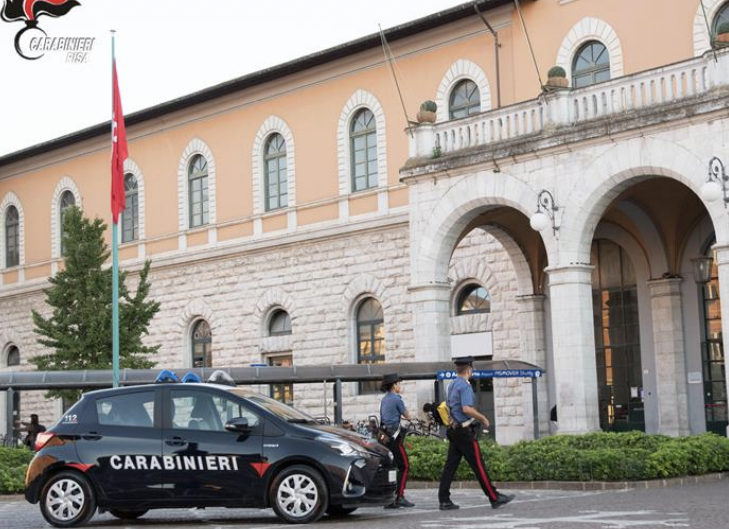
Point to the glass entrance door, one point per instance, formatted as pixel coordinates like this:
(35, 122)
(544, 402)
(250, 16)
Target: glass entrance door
(715, 398)
(617, 339)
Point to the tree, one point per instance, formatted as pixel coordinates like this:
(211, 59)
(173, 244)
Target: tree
(80, 327)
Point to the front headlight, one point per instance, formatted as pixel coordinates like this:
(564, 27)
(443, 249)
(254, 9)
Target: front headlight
(343, 447)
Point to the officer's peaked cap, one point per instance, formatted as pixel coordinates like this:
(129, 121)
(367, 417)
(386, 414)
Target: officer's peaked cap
(463, 361)
(389, 379)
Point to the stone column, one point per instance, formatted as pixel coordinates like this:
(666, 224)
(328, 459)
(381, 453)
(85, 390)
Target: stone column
(533, 350)
(669, 353)
(721, 254)
(575, 371)
(431, 330)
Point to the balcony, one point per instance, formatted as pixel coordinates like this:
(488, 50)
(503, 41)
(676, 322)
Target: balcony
(568, 109)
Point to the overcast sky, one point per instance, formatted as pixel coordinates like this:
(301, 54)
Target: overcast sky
(167, 49)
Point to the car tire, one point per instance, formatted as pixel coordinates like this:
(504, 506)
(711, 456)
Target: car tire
(299, 494)
(127, 515)
(67, 499)
(338, 510)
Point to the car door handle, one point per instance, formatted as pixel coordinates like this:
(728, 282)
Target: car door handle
(175, 441)
(91, 436)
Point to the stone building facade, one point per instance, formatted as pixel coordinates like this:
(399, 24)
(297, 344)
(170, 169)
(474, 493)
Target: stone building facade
(560, 227)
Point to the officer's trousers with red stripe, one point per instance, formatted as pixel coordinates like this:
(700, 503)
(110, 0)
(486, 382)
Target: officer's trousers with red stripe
(401, 461)
(463, 444)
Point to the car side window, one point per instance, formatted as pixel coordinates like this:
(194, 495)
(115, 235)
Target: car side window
(130, 409)
(196, 410)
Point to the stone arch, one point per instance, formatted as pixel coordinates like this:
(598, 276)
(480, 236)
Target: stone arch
(590, 28)
(655, 249)
(702, 39)
(272, 125)
(11, 199)
(459, 70)
(360, 99)
(436, 236)
(272, 299)
(196, 146)
(65, 184)
(130, 166)
(194, 311)
(616, 169)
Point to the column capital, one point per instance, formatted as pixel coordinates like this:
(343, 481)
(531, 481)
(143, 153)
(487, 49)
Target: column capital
(531, 302)
(721, 250)
(570, 274)
(665, 286)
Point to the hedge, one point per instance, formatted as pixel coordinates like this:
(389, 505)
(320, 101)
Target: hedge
(13, 462)
(591, 457)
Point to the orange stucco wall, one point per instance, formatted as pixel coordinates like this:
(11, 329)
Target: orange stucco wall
(311, 103)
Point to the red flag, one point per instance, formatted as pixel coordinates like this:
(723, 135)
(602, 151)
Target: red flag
(119, 153)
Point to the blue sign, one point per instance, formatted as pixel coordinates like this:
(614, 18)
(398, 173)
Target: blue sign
(493, 373)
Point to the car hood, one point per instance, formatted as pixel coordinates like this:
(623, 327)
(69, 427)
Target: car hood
(371, 445)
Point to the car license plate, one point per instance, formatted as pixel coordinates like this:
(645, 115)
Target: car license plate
(392, 476)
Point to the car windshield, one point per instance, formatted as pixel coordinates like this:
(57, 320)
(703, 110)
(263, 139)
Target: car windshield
(279, 409)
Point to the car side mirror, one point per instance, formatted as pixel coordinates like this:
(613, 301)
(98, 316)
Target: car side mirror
(239, 424)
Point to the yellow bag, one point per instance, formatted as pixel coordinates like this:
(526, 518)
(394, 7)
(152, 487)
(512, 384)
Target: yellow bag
(444, 413)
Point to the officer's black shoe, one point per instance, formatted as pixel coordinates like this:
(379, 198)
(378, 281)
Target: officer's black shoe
(402, 502)
(392, 505)
(448, 506)
(501, 499)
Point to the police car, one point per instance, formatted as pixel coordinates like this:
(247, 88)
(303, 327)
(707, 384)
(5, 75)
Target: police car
(128, 450)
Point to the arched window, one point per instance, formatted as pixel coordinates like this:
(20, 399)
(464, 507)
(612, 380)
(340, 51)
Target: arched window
(67, 201)
(276, 183)
(473, 299)
(363, 148)
(280, 323)
(202, 345)
(13, 356)
(722, 16)
(370, 339)
(130, 215)
(197, 179)
(591, 64)
(465, 100)
(12, 237)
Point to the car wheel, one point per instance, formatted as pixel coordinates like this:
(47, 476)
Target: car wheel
(127, 515)
(299, 495)
(67, 500)
(338, 510)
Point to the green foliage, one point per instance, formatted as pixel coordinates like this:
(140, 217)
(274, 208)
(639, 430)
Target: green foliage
(428, 106)
(591, 457)
(556, 71)
(79, 328)
(13, 462)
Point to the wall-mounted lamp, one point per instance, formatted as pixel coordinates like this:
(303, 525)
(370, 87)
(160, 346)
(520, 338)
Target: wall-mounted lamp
(716, 185)
(702, 269)
(546, 212)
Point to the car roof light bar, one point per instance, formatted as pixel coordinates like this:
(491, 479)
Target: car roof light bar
(166, 376)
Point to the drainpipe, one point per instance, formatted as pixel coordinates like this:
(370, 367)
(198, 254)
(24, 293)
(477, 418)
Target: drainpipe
(496, 53)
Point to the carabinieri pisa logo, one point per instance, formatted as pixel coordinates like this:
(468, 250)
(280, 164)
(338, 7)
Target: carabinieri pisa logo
(31, 42)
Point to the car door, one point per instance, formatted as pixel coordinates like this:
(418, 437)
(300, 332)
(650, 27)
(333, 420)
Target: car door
(208, 462)
(120, 441)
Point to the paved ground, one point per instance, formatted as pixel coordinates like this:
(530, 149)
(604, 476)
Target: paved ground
(699, 506)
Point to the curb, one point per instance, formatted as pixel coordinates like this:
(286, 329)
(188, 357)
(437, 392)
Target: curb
(581, 485)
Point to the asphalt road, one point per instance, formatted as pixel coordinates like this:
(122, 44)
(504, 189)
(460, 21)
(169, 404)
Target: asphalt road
(699, 506)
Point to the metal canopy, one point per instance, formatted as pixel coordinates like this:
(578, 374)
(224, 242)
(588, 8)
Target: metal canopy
(45, 380)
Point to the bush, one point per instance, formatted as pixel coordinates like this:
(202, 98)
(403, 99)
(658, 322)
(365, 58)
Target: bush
(591, 457)
(556, 71)
(13, 462)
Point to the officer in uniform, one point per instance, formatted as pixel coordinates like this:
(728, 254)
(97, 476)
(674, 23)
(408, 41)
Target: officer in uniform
(462, 439)
(392, 408)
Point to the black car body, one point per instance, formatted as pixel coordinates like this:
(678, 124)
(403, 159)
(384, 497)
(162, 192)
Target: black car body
(128, 450)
